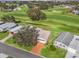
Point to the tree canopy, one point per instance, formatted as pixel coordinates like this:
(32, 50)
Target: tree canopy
(27, 36)
(36, 14)
(8, 18)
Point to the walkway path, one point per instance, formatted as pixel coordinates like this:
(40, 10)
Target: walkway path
(37, 49)
(5, 39)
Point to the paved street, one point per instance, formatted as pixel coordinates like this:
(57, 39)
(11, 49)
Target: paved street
(2, 55)
(14, 52)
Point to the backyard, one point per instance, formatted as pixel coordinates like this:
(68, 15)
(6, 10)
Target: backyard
(56, 22)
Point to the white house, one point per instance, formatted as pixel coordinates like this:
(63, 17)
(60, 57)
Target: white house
(69, 42)
(18, 8)
(7, 26)
(73, 48)
(63, 40)
(15, 29)
(76, 12)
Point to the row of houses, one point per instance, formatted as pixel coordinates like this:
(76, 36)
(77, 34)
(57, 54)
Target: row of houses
(69, 42)
(74, 9)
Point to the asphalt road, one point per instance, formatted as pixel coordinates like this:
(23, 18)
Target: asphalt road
(16, 53)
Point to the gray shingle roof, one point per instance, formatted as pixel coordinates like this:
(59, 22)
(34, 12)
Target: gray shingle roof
(75, 44)
(7, 25)
(65, 38)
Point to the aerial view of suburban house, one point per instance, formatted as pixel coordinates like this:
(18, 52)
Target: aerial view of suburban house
(7, 26)
(15, 29)
(69, 42)
(39, 28)
(64, 39)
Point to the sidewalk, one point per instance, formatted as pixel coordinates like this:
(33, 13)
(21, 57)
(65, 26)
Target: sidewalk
(6, 38)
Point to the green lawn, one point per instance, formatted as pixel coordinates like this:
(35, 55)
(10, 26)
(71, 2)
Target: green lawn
(13, 43)
(3, 35)
(59, 53)
(56, 23)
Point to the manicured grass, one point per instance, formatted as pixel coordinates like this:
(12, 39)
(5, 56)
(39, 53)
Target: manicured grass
(55, 54)
(3, 35)
(13, 43)
(56, 23)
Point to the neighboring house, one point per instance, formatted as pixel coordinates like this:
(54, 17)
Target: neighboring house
(76, 12)
(71, 55)
(64, 40)
(74, 47)
(70, 6)
(69, 42)
(43, 35)
(15, 30)
(7, 26)
(18, 8)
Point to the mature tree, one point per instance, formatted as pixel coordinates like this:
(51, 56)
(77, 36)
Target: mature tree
(8, 18)
(36, 14)
(27, 36)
